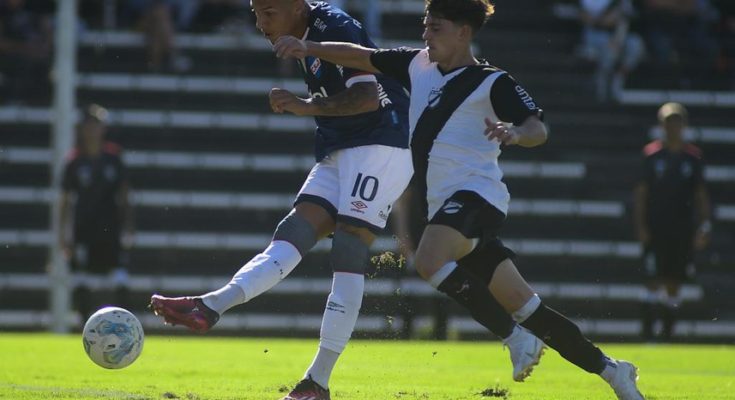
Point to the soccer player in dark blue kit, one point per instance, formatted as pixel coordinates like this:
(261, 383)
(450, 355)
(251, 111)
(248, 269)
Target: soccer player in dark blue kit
(363, 166)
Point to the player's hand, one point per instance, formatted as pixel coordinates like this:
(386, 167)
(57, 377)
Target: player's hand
(290, 47)
(498, 130)
(284, 101)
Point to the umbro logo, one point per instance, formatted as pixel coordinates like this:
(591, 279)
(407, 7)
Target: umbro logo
(359, 205)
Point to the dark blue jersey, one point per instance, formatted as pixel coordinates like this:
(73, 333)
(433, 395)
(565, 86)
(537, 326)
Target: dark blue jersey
(388, 125)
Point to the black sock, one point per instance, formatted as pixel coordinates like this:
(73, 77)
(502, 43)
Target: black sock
(668, 319)
(472, 294)
(565, 337)
(649, 317)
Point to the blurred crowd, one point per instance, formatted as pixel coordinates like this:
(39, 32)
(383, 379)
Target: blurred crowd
(26, 32)
(691, 40)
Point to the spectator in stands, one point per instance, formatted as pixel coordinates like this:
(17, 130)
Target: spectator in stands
(25, 47)
(672, 216)
(607, 40)
(726, 30)
(679, 34)
(222, 15)
(95, 182)
(156, 19)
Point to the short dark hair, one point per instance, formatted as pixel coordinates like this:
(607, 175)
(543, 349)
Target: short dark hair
(471, 12)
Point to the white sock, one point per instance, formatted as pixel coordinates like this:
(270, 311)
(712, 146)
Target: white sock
(321, 368)
(338, 322)
(224, 298)
(442, 274)
(522, 314)
(610, 368)
(260, 274)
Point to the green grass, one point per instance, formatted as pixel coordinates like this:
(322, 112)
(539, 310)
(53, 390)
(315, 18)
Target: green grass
(42, 366)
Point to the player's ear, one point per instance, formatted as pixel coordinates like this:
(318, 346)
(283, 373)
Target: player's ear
(466, 32)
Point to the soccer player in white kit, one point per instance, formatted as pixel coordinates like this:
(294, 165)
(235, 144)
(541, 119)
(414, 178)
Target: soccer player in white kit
(462, 109)
(363, 166)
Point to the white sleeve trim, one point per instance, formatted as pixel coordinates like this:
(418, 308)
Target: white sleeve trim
(361, 78)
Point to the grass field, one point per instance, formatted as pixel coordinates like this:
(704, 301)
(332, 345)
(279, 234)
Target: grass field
(42, 366)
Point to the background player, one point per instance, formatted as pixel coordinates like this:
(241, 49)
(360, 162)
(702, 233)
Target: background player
(455, 97)
(672, 216)
(95, 185)
(363, 165)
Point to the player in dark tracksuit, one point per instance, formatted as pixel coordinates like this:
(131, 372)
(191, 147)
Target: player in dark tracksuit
(672, 218)
(95, 182)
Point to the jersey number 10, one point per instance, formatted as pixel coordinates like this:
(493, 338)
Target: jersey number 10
(362, 184)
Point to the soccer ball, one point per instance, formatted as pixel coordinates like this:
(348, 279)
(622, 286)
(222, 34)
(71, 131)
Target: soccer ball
(113, 337)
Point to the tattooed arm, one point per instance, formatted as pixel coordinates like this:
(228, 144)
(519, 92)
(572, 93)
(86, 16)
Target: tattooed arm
(359, 98)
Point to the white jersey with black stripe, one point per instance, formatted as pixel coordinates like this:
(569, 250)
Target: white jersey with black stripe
(461, 157)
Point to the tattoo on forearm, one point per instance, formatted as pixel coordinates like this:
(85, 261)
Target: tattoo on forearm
(354, 100)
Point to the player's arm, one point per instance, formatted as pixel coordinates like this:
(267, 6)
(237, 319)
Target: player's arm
(702, 208)
(64, 218)
(531, 132)
(512, 104)
(359, 98)
(640, 200)
(341, 53)
(69, 189)
(702, 204)
(126, 214)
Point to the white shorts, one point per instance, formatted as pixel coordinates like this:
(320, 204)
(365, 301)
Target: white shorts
(359, 185)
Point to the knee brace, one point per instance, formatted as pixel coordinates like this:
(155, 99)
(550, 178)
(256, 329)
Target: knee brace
(349, 253)
(297, 231)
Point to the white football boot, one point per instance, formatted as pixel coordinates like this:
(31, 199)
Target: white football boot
(623, 381)
(525, 352)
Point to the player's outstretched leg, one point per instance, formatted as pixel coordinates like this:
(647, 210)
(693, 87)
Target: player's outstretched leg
(187, 311)
(441, 243)
(560, 333)
(307, 389)
(294, 237)
(525, 348)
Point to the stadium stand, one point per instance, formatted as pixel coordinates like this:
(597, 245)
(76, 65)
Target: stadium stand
(213, 171)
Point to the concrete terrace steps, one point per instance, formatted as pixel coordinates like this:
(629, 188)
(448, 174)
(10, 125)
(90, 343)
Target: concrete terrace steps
(565, 223)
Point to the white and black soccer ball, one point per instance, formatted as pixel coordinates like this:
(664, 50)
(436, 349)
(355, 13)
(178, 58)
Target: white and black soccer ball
(113, 337)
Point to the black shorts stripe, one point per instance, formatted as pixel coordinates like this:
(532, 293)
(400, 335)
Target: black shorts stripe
(320, 201)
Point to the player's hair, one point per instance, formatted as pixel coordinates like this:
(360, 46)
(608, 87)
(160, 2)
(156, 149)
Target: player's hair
(471, 12)
(95, 113)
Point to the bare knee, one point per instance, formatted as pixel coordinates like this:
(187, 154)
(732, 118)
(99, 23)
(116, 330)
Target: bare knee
(317, 217)
(427, 265)
(365, 234)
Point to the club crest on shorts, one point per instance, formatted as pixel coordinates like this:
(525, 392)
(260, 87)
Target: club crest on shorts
(451, 207)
